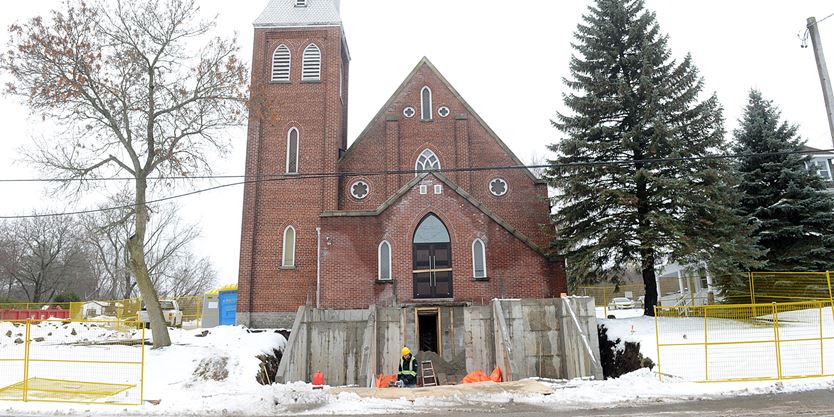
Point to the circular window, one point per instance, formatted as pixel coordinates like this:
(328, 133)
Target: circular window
(443, 111)
(360, 189)
(498, 187)
(409, 112)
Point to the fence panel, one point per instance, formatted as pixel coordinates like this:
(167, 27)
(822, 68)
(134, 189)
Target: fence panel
(91, 362)
(12, 356)
(746, 342)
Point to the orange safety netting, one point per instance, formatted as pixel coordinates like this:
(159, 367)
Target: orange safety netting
(382, 381)
(480, 376)
(496, 376)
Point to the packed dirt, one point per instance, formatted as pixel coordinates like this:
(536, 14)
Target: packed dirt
(525, 386)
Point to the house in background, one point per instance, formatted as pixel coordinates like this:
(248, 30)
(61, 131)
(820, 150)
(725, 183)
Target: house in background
(823, 165)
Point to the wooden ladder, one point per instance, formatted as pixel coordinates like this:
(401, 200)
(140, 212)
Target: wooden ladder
(427, 369)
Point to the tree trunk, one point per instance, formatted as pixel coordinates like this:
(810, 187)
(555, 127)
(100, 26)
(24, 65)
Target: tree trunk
(646, 244)
(649, 282)
(136, 248)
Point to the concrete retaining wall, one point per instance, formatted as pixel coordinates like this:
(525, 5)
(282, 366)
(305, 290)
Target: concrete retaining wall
(525, 338)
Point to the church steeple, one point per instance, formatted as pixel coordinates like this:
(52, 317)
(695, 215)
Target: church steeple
(283, 13)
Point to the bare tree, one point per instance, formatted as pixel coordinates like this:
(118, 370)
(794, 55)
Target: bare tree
(167, 251)
(47, 258)
(134, 98)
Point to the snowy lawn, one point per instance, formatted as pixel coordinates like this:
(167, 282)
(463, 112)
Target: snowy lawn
(169, 379)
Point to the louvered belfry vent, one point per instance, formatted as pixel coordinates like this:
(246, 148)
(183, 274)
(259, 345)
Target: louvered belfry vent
(311, 66)
(281, 63)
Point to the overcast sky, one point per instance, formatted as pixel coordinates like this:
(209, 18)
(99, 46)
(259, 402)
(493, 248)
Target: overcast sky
(506, 58)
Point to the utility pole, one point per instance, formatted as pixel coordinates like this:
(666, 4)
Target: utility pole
(825, 80)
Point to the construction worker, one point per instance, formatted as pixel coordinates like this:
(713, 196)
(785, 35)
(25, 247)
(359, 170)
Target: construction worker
(407, 374)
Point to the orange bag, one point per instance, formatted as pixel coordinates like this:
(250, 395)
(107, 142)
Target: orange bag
(476, 376)
(496, 376)
(383, 380)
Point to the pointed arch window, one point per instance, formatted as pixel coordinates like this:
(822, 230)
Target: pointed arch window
(478, 259)
(288, 258)
(281, 64)
(384, 261)
(427, 161)
(292, 151)
(311, 63)
(425, 103)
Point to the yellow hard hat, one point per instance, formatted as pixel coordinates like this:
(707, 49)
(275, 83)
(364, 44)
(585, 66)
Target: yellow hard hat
(406, 351)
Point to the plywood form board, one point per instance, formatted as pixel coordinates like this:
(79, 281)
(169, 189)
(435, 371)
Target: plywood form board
(479, 342)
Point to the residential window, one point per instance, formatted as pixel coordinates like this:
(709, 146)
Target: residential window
(292, 151)
(288, 260)
(311, 63)
(281, 64)
(478, 259)
(384, 258)
(821, 168)
(300, 3)
(427, 161)
(425, 103)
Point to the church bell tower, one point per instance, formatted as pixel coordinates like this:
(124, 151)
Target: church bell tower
(297, 131)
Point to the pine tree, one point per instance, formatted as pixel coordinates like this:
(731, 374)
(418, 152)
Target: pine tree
(787, 203)
(630, 101)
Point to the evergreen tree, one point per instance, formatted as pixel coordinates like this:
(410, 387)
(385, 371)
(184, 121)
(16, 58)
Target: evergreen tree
(630, 101)
(793, 215)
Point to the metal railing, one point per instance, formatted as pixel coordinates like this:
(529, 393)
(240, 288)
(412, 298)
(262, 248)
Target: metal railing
(745, 342)
(86, 362)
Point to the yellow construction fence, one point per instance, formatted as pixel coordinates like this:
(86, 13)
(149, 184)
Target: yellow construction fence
(88, 362)
(115, 312)
(745, 342)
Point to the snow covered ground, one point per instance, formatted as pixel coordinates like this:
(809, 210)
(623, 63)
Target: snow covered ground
(169, 379)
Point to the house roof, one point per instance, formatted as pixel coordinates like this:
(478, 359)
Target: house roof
(425, 62)
(452, 186)
(818, 153)
(282, 13)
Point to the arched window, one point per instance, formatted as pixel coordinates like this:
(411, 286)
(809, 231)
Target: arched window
(431, 230)
(281, 64)
(311, 63)
(288, 260)
(425, 103)
(384, 261)
(292, 151)
(478, 259)
(427, 161)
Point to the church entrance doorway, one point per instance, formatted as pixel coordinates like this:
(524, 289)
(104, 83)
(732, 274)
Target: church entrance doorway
(432, 259)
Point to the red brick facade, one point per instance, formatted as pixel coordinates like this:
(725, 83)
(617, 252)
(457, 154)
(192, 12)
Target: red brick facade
(351, 229)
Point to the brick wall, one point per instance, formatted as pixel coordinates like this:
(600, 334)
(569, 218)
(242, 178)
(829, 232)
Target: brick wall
(318, 111)
(349, 254)
(391, 142)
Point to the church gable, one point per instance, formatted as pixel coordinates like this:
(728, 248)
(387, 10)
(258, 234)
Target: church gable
(428, 107)
(426, 124)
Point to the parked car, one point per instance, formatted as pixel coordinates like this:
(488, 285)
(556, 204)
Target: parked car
(640, 302)
(170, 311)
(621, 303)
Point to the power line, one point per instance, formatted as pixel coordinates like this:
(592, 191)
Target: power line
(404, 172)
(296, 177)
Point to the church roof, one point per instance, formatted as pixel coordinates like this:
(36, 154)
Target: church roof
(284, 13)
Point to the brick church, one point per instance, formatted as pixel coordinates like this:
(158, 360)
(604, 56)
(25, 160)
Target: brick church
(410, 214)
